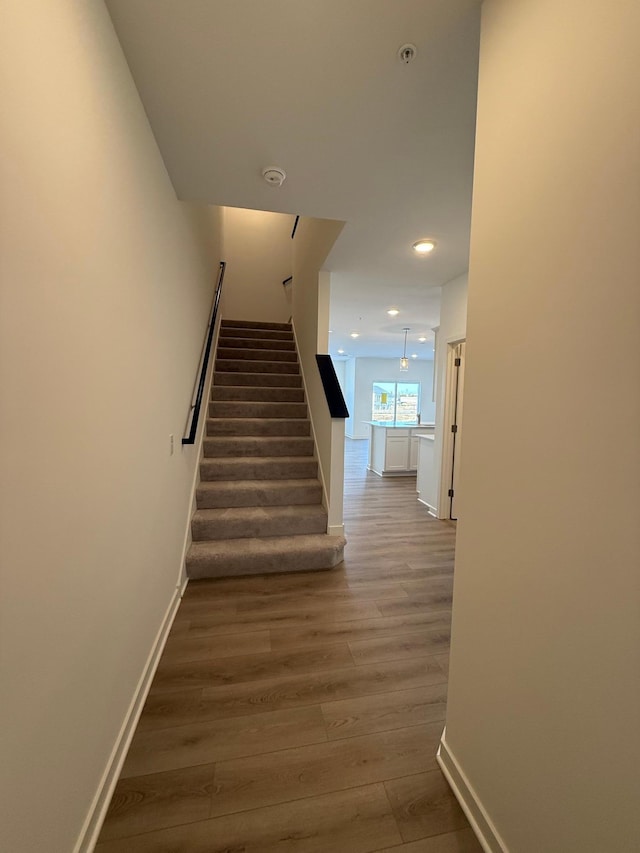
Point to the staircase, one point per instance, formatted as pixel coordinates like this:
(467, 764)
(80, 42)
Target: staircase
(259, 503)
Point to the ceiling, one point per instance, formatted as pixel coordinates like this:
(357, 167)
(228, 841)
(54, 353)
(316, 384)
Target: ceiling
(316, 87)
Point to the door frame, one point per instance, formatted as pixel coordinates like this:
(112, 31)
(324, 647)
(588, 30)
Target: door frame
(446, 462)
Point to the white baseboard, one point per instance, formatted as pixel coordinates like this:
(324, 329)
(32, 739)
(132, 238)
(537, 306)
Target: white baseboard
(335, 530)
(98, 809)
(480, 821)
(432, 509)
(388, 474)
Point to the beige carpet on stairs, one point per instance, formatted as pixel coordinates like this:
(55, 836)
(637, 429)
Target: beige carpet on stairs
(259, 502)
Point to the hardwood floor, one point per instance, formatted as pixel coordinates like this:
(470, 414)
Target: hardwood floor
(301, 713)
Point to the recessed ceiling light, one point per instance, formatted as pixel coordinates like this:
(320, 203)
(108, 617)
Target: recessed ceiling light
(424, 247)
(340, 352)
(393, 312)
(355, 334)
(422, 340)
(330, 331)
(414, 355)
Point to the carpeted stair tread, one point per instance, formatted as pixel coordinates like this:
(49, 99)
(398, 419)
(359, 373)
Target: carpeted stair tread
(257, 334)
(272, 380)
(257, 445)
(225, 342)
(255, 324)
(240, 365)
(250, 522)
(258, 426)
(257, 354)
(257, 393)
(235, 493)
(258, 468)
(256, 409)
(229, 557)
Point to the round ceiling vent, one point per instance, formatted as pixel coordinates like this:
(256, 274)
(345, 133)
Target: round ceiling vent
(274, 175)
(407, 53)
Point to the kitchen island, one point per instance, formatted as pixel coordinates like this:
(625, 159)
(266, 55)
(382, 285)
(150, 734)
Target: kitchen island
(393, 448)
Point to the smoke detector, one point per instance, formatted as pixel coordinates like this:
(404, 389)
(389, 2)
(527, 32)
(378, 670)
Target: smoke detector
(407, 53)
(274, 175)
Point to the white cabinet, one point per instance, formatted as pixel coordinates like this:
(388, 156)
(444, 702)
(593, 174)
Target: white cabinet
(394, 450)
(396, 457)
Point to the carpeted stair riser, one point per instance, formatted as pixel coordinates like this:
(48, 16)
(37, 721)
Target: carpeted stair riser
(255, 344)
(258, 493)
(249, 522)
(259, 468)
(248, 393)
(258, 426)
(280, 380)
(257, 334)
(238, 365)
(260, 556)
(255, 324)
(240, 409)
(225, 353)
(234, 446)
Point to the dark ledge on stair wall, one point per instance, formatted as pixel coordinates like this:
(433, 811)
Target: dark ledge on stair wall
(332, 390)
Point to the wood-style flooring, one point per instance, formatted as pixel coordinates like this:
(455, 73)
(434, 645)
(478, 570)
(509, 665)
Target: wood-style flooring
(301, 713)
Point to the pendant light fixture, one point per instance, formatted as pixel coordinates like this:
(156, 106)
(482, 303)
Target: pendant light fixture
(404, 361)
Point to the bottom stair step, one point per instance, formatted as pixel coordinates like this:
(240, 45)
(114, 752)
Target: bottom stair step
(275, 554)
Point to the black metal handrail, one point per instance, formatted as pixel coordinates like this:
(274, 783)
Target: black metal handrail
(295, 225)
(195, 407)
(285, 281)
(332, 390)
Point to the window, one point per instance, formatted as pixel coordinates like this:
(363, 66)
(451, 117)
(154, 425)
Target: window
(396, 403)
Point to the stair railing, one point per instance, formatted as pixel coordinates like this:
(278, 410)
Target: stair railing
(196, 400)
(332, 389)
(286, 282)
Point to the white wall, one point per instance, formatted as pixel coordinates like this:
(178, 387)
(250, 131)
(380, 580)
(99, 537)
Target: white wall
(106, 282)
(544, 696)
(324, 302)
(340, 373)
(453, 327)
(313, 241)
(258, 252)
(370, 370)
(350, 394)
